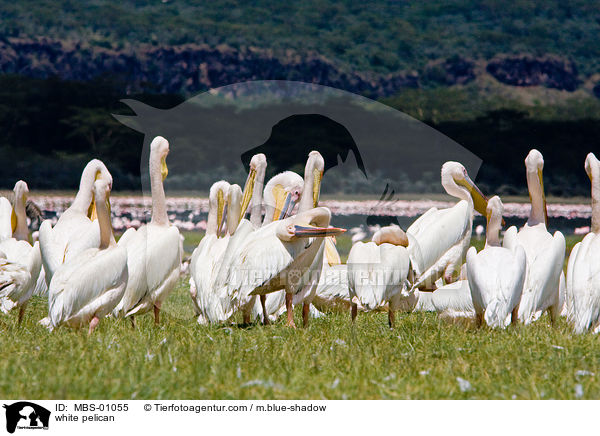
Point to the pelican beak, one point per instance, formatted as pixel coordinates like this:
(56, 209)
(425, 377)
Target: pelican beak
(164, 170)
(316, 232)
(248, 188)
(13, 220)
(288, 207)
(541, 177)
(331, 254)
(318, 176)
(220, 210)
(479, 200)
(92, 212)
(280, 202)
(223, 224)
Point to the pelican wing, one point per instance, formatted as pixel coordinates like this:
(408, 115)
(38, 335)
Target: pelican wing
(332, 291)
(163, 261)
(451, 298)
(496, 277)
(376, 273)
(92, 284)
(5, 219)
(19, 255)
(439, 233)
(583, 282)
(545, 260)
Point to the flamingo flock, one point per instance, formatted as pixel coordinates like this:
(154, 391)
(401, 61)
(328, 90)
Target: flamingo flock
(271, 246)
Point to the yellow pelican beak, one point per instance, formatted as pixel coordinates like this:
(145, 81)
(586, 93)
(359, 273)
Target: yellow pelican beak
(13, 220)
(315, 232)
(92, 213)
(164, 170)
(283, 202)
(248, 188)
(331, 254)
(318, 176)
(221, 211)
(479, 200)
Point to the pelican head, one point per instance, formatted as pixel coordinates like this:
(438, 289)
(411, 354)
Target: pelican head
(313, 223)
(592, 166)
(315, 166)
(234, 198)
(94, 170)
(390, 235)
(534, 164)
(160, 148)
(18, 213)
(456, 182)
(21, 190)
(281, 194)
(258, 164)
(217, 199)
(494, 212)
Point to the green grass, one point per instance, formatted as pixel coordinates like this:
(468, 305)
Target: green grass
(421, 358)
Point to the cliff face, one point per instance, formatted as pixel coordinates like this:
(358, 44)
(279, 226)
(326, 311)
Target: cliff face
(550, 72)
(191, 68)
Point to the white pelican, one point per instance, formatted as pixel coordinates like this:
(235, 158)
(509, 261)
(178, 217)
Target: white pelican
(90, 286)
(496, 274)
(439, 239)
(6, 214)
(253, 189)
(583, 270)
(545, 252)
(378, 270)
(449, 301)
(154, 250)
(204, 255)
(212, 306)
(281, 194)
(279, 256)
(21, 263)
(77, 229)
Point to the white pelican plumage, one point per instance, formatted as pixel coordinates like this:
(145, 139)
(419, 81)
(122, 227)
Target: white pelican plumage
(21, 262)
(378, 270)
(583, 270)
(439, 239)
(89, 286)
(496, 274)
(279, 256)
(281, 194)
(449, 301)
(212, 306)
(77, 228)
(154, 250)
(6, 214)
(545, 252)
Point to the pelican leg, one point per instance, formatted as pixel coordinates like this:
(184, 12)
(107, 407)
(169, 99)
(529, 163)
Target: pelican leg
(479, 318)
(156, 314)
(354, 311)
(132, 319)
(514, 316)
(391, 317)
(305, 313)
(93, 324)
(21, 313)
(263, 303)
(553, 315)
(246, 318)
(289, 307)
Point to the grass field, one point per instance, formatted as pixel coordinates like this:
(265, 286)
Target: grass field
(422, 358)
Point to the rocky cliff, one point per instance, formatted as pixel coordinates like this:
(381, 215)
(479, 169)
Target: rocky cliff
(191, 68)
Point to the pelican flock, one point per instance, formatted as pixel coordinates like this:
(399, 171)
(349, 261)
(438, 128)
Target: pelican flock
(270, 246)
